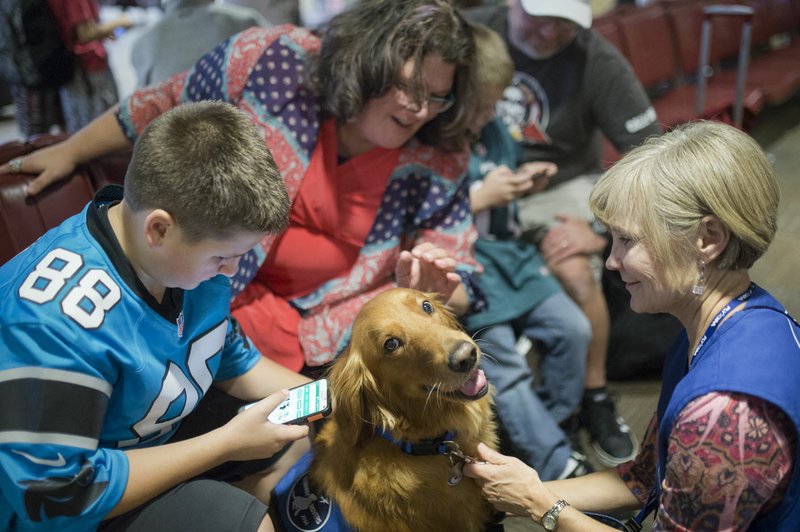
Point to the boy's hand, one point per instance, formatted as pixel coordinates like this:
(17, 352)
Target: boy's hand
(502, 186)
(251, 436)
(539, 172)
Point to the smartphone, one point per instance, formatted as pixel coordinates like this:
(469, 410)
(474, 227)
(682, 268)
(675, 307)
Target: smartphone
(306, 403)
(534, 177)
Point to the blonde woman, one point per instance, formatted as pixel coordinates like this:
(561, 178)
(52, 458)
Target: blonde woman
(689, 213)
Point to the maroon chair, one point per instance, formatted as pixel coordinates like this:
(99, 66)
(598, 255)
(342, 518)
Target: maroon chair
(650, 46)
(23, 219)
(776, 72)
(719, 93)
(608, 27)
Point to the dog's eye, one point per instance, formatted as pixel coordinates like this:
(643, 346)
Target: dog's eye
(427, 307)
(391, 344)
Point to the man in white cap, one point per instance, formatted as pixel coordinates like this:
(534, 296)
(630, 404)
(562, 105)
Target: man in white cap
(570, 87)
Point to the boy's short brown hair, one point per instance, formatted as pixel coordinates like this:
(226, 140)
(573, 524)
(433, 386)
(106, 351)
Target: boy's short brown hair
(207, 165)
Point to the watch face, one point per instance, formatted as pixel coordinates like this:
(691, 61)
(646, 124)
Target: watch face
(548, 522)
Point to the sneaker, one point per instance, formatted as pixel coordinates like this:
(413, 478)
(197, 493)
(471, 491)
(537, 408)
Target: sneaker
(577, 466)
(611, 437)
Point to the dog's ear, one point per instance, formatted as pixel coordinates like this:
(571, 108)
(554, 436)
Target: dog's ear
(355, 396)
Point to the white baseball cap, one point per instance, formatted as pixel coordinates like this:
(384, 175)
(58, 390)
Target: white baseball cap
(578, 11)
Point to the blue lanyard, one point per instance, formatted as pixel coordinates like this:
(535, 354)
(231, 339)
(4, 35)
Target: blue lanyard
(718, 319)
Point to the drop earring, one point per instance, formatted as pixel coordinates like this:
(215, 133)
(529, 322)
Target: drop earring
(699, 287)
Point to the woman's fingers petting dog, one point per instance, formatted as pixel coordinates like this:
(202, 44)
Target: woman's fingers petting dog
(428, 268)
(501, 478)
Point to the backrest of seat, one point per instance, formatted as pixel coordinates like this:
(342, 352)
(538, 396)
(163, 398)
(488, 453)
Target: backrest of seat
(608, 27)
(23, 218)
(686, 21)
(649, 44)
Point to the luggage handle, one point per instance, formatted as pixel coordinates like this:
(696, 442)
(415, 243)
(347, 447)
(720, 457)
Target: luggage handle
(744, 55)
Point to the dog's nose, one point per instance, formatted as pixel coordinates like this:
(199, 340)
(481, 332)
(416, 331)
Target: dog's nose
(462, 358)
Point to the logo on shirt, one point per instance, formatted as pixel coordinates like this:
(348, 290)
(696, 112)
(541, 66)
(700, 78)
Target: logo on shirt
(54, 497)
(179, 323)
(525, 110)
(57, 462)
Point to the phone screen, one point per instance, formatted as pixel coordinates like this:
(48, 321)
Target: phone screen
(305, 403)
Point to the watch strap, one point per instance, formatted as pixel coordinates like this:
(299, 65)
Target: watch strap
(553, 512)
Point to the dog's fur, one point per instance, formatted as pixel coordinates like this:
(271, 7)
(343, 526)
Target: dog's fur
(402, 372)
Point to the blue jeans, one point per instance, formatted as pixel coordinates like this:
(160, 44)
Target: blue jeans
(530, 414)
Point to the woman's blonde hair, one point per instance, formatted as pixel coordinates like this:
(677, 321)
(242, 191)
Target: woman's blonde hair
(661, 190)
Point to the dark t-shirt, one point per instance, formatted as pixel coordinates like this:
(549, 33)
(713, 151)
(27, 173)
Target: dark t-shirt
(556, 108)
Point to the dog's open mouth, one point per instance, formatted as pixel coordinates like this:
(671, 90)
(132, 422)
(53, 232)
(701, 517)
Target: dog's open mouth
(475, 387)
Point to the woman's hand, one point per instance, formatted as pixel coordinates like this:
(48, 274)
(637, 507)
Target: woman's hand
(510, 485)
(101, 136)
(428, 268)
(51, 164)
(251, 437)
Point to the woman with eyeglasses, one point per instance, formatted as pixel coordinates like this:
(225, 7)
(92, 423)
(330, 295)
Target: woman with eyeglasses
(367, 126)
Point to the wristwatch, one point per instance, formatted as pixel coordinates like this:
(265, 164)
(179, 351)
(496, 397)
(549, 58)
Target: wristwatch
(550, 517)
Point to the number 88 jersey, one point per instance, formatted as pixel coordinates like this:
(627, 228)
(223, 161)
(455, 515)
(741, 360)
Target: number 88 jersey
(91, 363)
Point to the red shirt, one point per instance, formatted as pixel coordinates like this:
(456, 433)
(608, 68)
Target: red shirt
(329, 221)
(69, 14)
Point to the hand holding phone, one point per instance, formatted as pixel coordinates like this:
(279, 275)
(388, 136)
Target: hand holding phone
(306, 403)
(539, 173)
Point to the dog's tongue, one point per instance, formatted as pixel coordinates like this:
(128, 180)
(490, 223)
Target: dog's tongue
(475, 383)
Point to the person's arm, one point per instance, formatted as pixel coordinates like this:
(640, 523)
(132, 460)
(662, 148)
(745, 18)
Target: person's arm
(619, 103)
(91, 30)
(446, 224)
(263, 379)
(101, 136)
(746, 441)
(116, 128)
(513, 487)
(248, 436)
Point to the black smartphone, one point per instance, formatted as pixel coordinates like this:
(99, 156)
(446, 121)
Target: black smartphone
(306, 403)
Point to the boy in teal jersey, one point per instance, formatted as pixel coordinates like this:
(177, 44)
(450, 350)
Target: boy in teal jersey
(116, 324)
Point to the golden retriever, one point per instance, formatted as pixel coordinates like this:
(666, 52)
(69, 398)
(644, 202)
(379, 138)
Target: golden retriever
(411, 373)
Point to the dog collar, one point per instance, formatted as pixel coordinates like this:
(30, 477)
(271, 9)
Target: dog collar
(422, 447)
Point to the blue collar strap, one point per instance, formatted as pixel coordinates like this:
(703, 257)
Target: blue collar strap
(421, 447)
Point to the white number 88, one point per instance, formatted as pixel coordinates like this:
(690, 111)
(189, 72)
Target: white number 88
(56, 277)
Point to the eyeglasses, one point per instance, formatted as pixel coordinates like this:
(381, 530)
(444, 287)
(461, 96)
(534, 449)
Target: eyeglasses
(437, 104)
